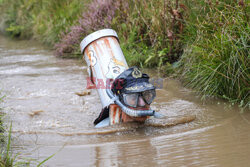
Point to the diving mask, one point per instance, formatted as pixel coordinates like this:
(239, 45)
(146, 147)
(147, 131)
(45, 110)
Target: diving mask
(138, 99)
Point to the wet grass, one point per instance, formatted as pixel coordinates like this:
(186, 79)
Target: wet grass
(6, 159)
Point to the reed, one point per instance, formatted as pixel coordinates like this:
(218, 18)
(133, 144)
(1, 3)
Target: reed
(6, 159)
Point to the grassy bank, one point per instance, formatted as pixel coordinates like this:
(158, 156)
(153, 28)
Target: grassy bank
(217, 62)
(149, 31)
(42, 20)
(206, 41)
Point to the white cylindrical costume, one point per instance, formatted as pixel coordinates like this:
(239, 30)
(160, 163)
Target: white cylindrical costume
(105, 60)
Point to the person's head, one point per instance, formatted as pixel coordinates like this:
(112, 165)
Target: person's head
(134, 90)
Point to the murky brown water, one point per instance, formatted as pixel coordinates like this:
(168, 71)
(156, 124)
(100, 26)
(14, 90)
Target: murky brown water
(33, 80)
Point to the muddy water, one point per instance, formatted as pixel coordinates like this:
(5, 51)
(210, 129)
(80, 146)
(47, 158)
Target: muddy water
(48, 117)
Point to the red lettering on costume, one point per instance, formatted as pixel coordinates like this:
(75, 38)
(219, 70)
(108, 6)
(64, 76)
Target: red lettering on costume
(109, 83)
(100, 84)
(119, 84)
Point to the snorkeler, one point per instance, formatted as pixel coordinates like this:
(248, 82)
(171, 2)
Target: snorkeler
(133, 93)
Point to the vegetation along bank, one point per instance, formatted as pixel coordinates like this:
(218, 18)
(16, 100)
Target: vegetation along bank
(203, 42)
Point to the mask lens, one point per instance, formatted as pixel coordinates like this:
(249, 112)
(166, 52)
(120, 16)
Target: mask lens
(130, 99)
(148, 96)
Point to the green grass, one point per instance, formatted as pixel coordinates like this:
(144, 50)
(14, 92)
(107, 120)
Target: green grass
(150, 32)
(216, 64)
(6, 159)
(43, 20)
